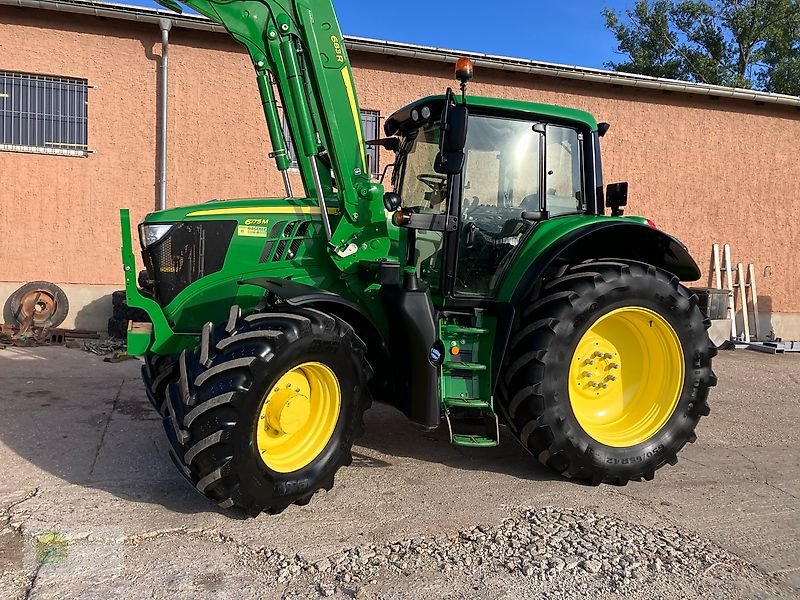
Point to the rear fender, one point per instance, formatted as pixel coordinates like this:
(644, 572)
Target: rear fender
(608, 240)
(612, 239)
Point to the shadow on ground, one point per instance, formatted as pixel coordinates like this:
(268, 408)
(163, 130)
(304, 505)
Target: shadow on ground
(70, 416)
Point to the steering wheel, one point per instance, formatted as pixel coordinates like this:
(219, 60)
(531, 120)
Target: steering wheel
(433, 181)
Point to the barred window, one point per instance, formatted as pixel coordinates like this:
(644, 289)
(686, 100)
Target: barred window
(370, 121)
(43, 114)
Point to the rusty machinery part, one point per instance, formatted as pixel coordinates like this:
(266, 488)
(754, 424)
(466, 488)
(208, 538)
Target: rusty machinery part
(37, 304)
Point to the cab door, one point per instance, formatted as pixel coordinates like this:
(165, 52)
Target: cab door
(512, 167)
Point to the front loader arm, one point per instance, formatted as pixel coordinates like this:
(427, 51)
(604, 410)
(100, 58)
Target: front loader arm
(296, 47)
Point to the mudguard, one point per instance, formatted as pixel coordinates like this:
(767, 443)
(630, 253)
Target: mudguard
(618, 239)
(299, 294)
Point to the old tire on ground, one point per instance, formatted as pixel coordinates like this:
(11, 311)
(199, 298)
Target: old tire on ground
(265, 412)
(608, 372)
(44, 301)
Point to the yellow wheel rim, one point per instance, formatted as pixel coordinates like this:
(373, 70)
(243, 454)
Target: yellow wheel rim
(626, 377)
(298, 417)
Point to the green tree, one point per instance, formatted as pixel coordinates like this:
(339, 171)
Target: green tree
(740, 43)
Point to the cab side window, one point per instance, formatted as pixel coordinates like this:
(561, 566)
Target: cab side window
(564, 187)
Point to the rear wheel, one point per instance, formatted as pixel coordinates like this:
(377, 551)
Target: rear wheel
(265, 412)
(608, 372)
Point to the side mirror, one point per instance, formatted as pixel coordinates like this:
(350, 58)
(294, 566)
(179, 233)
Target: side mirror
(450, 159)
(617, 198)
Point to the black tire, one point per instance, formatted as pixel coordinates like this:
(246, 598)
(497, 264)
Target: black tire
(122, 314)
(535, 391)
(119, 299)
(213, 409)
(117, 328)
(158, 372)
(61, 304)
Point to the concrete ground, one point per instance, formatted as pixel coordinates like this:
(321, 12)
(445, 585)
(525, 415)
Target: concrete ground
(90, 505)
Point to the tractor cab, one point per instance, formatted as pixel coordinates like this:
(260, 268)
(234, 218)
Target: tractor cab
(522, 163)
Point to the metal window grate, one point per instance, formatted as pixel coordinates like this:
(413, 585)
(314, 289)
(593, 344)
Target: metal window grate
(370, 121)
(43, 114)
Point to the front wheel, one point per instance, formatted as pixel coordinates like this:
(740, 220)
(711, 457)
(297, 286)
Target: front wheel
(608, 372)
(264, 413)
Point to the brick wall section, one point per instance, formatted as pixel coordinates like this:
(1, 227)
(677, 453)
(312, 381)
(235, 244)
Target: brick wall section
(707, 170)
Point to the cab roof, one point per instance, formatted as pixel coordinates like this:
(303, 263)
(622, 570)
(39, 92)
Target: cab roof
(401, 121)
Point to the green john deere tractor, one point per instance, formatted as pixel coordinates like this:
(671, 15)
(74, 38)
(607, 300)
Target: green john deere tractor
(488, 285)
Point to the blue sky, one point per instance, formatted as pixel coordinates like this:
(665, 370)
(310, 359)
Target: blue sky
(563, 31)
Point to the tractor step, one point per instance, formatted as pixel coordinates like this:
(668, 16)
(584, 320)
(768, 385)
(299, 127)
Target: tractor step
(465, 384)
(467, 403)
(472, 440)
(451, 330)
(463, 366)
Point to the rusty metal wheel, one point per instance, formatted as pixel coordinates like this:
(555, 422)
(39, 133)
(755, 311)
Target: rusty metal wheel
(37, 304)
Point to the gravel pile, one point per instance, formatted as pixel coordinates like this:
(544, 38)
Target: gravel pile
(539, 544)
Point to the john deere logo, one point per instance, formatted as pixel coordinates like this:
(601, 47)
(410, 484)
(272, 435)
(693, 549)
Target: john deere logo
(51, 549)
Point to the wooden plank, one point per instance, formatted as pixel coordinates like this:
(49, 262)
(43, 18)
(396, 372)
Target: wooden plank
(743, 298)
(717, 266)
(729, 284)
(754, 295)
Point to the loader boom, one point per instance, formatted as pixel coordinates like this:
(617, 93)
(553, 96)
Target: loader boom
(296, 48)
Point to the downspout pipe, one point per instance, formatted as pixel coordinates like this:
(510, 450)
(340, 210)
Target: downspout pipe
(163, 105)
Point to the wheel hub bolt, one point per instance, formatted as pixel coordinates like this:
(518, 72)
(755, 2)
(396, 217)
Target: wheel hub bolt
(587, 374)
(592, 384)
(608, 356)
(611, 378)
(589, 361)
(613, 366)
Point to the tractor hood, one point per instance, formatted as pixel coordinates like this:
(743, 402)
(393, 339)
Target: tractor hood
(250, 209)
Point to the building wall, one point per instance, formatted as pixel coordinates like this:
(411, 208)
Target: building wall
(707, 170)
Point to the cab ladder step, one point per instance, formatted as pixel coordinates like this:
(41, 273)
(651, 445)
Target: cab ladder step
(471, 440)
(456, 330)
(462, 366)
(467, 403)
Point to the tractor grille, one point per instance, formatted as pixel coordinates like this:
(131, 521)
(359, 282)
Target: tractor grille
(189, 252)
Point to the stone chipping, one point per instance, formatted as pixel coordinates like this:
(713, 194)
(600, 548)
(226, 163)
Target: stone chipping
(539, 544)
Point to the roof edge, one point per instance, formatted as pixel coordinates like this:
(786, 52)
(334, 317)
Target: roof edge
(429, 53)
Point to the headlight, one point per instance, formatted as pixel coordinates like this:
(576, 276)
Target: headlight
(150, 234)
